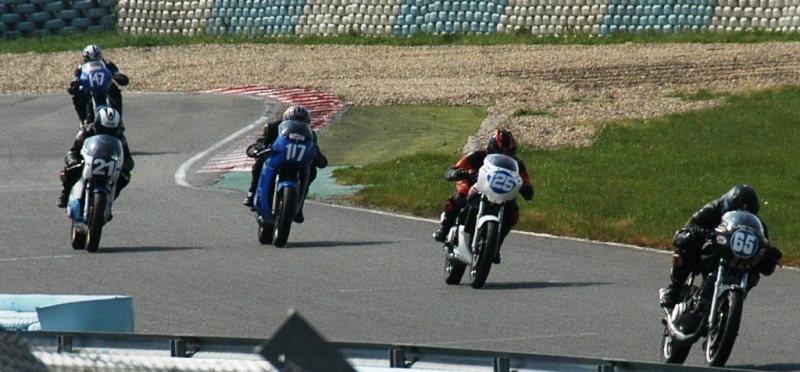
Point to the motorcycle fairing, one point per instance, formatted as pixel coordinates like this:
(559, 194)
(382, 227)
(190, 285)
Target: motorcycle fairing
(289, 162)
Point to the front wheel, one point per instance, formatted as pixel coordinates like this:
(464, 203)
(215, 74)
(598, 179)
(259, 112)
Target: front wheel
(483, 253)
(284, 213)
(722, 334)
(96, 221)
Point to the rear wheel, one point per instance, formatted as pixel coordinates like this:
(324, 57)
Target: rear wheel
(284, 213)
(453, 270)
(673, 352)
(483, 254)
(96, 221)
(265, 233)
(722, 334)
(78, 238)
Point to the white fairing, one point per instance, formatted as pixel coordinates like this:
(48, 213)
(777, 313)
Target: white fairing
(499, 179)
(462, 252)
(102, 156)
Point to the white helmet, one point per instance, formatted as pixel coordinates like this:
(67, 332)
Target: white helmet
(109, 119)
(91, 53)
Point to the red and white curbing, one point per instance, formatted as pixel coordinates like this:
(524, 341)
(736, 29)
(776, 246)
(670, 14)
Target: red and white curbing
(324, 107)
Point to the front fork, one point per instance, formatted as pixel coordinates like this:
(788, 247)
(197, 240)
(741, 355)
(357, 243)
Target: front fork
(483, 219)
(720, 288)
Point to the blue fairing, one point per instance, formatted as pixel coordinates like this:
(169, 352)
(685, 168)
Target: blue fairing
(290, 157)
(95, 80)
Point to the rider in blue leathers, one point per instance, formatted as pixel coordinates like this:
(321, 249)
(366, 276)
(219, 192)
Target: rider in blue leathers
(80, 100)
(268, 137)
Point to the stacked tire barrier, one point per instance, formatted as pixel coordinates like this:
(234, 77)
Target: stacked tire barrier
(27, 18)
(407, 17)
(20, 18)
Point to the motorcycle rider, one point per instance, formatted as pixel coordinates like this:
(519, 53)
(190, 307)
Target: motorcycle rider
(690, 239)
(80, 99)
(107, 122)
(269, 135)
(465, 171)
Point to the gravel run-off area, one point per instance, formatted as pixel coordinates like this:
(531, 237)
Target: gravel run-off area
(563, 89)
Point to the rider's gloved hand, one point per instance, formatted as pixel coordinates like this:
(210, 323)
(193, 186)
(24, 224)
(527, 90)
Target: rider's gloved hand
(73, 87)
(121, 79)
(455, 174)
(526, 191)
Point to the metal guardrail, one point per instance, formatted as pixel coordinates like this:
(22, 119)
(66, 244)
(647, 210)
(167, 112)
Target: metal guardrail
(117, 352)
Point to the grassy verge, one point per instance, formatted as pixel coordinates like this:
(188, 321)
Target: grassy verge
(638, 183)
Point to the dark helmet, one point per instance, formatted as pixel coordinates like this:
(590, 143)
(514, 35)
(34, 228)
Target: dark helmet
(502, 142)
(297, 112)
(741, 197)
(91, 53)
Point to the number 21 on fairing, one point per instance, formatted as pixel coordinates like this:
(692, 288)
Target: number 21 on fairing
(295, 151)
(102, 167)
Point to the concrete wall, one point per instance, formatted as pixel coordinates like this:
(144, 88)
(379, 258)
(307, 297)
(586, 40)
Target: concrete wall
(22, 18)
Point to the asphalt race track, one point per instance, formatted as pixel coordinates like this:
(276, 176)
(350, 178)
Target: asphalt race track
(190, 257)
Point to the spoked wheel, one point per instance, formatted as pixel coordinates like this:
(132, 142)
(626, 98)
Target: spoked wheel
(722, 334)
(672, 351)
(78, 238)
(453, 270)
(484, 254)
(96, 221)
(286, 203)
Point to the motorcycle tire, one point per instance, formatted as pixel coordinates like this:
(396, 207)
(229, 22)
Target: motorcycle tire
(265, 233)
(78, 238)
(96, 221)
(284, 213)
(722, 334)
(673, 352)
(453, 271)
(483, 254)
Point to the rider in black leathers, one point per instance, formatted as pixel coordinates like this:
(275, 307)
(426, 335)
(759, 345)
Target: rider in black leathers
(689, 240)
(107, 122)
(270, 134)
(80, 100)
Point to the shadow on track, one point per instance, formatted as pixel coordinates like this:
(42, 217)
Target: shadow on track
(327, 244)
(104, 250)
(539, 285)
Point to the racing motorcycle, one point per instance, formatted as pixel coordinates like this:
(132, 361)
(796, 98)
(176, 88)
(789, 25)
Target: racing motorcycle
(95, 81)
(91, 198)
(712, 299)
(474, 239)
(283, 181)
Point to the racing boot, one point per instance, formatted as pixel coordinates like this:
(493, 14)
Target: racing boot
(248, 201)
(440, 235)
(669, 294)
(63, 198)
(298, 217)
